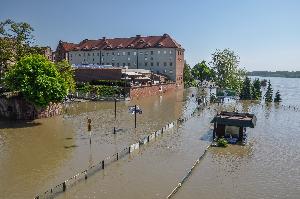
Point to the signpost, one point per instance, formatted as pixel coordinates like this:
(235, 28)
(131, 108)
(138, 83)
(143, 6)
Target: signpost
(134, 110)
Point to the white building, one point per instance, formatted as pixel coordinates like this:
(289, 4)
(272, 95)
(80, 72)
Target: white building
(160, 54)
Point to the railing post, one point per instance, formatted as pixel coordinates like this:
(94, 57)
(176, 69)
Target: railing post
(64, 186)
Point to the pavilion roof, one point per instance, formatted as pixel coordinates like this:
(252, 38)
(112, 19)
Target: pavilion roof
(235, 119)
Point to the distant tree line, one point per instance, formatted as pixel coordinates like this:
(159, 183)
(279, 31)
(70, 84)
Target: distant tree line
(288, 74)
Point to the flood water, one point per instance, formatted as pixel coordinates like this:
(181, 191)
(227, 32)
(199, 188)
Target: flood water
(36, 156)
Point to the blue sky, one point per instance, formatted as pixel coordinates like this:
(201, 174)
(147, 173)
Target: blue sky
(264, 33)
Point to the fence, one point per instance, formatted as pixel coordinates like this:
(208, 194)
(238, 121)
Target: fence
(94, 97)
(84, 175)
(187, 175)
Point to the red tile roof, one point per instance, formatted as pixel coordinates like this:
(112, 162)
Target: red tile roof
(137, 42)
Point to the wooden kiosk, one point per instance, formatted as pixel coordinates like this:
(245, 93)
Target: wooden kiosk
(232, 125)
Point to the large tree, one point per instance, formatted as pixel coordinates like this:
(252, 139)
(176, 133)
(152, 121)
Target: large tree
(227, 73)
(15, 41)
(202, 72)
(37, 79)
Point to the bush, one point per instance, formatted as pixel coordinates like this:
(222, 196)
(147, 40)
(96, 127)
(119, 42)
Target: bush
(37, 79)
(222, 142)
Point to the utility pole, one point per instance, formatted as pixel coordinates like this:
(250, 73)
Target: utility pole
(134, 116)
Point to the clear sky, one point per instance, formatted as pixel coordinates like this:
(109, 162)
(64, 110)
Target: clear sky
(264, 33)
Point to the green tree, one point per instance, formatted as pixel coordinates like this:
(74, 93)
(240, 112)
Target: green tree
(20, 36)
(256, 89)
(202, 72)
(246, 91)
(67, 73)
(187, 76)
(37, 79)
(269, 93)
(227, 73)
(277, 97)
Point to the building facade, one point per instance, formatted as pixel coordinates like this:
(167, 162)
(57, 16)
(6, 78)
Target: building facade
(160, 54)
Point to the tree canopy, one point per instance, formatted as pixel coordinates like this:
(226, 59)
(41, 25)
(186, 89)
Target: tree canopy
(38, 80)
(202, 72)
(67, 73)
(228, 75)
(187, 76)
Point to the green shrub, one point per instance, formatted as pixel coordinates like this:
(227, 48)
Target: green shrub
(222, 142)
(38, 80)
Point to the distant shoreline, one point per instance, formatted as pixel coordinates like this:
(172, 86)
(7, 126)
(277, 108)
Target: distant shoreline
(284, 74)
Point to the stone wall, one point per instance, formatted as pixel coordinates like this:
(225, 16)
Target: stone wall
(144, 91)
(16, 108)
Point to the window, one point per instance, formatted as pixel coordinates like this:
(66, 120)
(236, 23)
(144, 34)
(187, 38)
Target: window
(165, 63)
(98, 54)
(113, 59)
(118, 54)
(134, 53)
(128, 53)
(113, 53)
(146, 52)
(146, 64)
(128, 64)
(107, 63)
(102, 58)
(107, 54)
(158, 52)
(79, 55)
(124, 53)
(93, 54)
(84, 60)
(84, 54)
(141, 53)
(151, 52)
(157, 63)
(93, 59)
(171, 64)
(128, 58)
(118, 64)
(70, 55)
(146, 58)
(113, 64)
(151, 64)
(165, 52)
(151, 58)
(170, 52)
(124, 64)
(88, 54)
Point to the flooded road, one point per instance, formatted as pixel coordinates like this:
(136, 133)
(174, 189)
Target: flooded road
(36, 156)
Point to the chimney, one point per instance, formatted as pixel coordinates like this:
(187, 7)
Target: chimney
(138, 36)
(104, 38)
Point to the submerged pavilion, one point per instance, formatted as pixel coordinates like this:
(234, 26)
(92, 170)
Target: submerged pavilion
(232, 125)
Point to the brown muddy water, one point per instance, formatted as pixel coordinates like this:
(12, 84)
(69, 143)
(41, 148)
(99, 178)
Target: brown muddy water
(36, 156)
